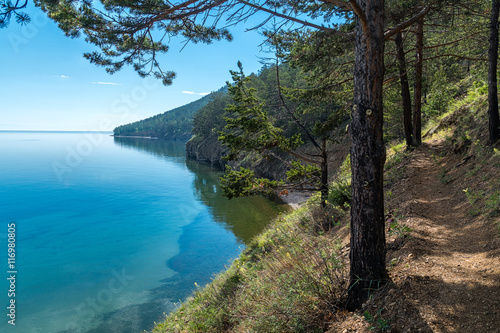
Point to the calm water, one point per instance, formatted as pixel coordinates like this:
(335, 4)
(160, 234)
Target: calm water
(111, 232)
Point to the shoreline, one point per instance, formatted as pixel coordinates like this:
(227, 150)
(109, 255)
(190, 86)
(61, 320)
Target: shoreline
(135, 136)
(296, 198)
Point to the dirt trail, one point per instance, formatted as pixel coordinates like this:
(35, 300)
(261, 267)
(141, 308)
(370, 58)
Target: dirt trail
(447, 275)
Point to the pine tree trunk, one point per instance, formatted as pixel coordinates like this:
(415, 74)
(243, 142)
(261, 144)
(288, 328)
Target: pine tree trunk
(494, 122)
(368, 251)
(405, 90)
(324, 174)
(417, 115)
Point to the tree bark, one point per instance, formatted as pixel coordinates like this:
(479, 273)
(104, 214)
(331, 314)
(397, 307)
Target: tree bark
(494, 122)
(405, 90)
(417, 110)
(324, 173)
(368, 251)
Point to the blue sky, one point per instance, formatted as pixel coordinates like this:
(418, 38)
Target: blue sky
(46, 84)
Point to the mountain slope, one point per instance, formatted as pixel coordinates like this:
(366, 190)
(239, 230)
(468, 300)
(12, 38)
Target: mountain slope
(174, 124)
(443, 245)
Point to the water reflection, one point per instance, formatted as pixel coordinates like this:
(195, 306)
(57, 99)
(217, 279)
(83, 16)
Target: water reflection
(157, 147)
(244, 217)
(205, 247)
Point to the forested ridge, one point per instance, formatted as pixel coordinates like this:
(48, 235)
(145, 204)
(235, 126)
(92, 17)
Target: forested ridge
(175, 124)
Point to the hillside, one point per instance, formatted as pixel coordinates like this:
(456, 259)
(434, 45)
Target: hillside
(443, 255)
(175, 124)
(443, 239)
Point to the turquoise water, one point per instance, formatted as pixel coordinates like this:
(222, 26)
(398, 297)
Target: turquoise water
(111, 232)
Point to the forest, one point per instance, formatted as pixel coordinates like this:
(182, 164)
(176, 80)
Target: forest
(388, 75)
(174, 124)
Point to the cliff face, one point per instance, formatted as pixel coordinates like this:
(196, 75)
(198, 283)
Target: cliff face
(209, 150)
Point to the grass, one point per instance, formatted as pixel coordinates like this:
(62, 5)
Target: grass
(394, 167)
(395, 155)
(466, 135)
(376, 321)
(399, 229)
(290, 279)
(444, 177)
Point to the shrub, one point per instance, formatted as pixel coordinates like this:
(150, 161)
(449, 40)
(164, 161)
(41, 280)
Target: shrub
(339, 194)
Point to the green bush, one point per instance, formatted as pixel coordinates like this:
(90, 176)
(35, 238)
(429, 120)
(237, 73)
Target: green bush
(340, 194)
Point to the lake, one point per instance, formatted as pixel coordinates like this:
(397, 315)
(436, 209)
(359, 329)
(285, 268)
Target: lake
(110, 233)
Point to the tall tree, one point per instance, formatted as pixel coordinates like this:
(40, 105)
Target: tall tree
(417, 110)
(253, 125)
(367, 256)
(494, 122)
(405, 90)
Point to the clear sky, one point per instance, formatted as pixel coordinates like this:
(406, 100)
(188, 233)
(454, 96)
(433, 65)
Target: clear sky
(46, 84)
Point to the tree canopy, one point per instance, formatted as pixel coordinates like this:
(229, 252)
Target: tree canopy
(174, 124)
(9, 10)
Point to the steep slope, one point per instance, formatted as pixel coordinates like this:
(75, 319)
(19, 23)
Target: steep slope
(443, 242)
(175, 124)
(452, 275)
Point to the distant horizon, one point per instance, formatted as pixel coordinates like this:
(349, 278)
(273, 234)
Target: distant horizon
(52, 131)
(62, 91)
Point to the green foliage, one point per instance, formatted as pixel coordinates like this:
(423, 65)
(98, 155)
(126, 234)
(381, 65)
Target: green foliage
(393, 113)
(249, 127)
(376, 323)
(399, 229)
(339, 194)
(260, 119)
(492, 204)
(209, 119)
(9, 10)
(173, 124)
(441, 96)
(300, 172)
(473, 197)
(242, 182)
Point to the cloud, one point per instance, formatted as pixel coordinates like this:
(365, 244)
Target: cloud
(108, 83)
(61, 76)
(193, 93)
